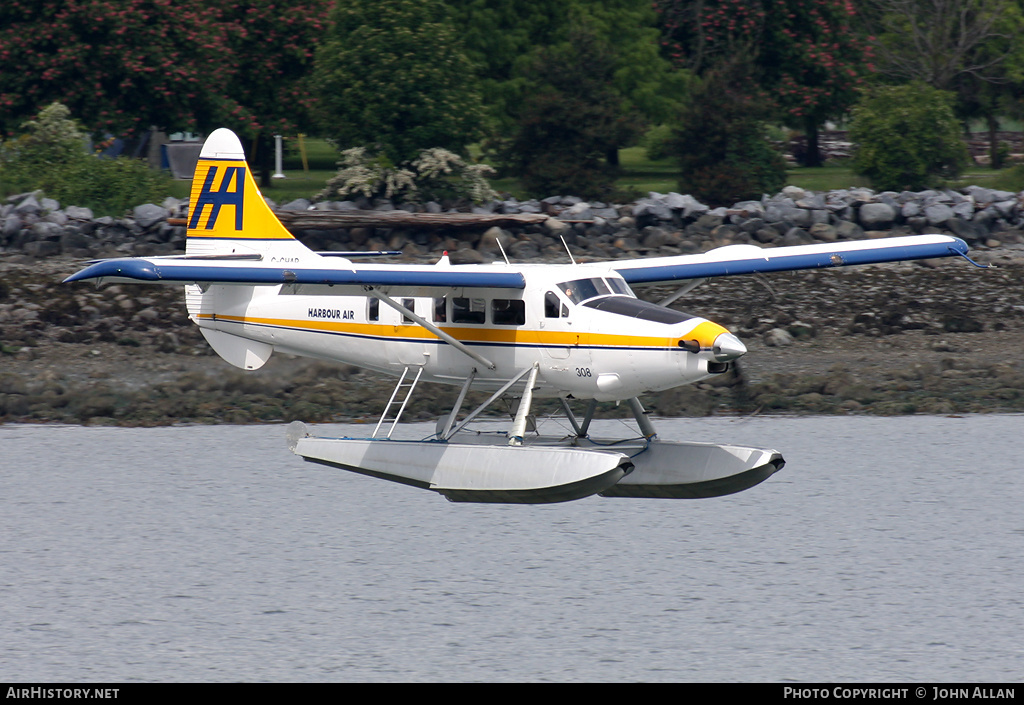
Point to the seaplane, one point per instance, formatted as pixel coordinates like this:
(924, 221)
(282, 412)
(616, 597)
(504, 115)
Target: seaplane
(573, 332)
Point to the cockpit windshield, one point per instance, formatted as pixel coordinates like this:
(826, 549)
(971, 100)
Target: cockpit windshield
(582, 290)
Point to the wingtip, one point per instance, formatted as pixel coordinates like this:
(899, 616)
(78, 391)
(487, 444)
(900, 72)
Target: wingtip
(129, 268)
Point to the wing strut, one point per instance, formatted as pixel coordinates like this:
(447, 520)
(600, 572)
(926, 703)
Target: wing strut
(454, 342)
(685, 289)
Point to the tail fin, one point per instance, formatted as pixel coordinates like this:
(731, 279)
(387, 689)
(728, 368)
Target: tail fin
(227, 213)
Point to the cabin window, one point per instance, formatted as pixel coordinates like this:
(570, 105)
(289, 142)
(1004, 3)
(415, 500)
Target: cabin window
(440, 310)
(372, 309)
(584, 289)
(508, 312)
(411, 305)
(465, 310)
(553, 306)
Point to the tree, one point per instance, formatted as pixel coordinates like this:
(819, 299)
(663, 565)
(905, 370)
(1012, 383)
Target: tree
(500, 37)
(805, 55)
(393, 73)
(504, 38)
(937, 41)
(814, 62)
(571, 119)
(119, 67)
(966, 46)
(720, 143)
(907, 137)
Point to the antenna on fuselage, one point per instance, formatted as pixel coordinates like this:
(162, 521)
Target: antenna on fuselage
(567, 250)
(498, 240)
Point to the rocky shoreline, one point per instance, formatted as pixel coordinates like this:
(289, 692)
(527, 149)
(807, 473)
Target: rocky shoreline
(936, 337)
(659, 224)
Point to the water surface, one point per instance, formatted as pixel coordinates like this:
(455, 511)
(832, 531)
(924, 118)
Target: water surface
(888, 549)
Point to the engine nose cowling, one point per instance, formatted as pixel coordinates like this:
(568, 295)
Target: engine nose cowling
(727, 347)
(709, 337)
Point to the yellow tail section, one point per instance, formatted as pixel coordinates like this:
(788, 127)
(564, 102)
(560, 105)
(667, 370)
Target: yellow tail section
(226, 209)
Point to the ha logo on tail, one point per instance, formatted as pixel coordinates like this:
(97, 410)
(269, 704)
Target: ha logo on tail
(228, 213)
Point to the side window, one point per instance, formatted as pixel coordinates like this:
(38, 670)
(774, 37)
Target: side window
(553, 306)
(411, 305)
(508, 312)
(372, 309)
(440, 310)
(465, 310)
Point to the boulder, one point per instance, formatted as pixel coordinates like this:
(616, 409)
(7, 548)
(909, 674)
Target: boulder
(78, 213)
(938, 214)
(875, 216)
(149, 214)
(778, 338)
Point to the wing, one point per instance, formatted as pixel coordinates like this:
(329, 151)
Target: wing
(748, 259)
(203, 270)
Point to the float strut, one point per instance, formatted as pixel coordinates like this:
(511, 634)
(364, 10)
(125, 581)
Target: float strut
(642, 420)
(458, 406)
(515, 437)
(587, 418)
(473, 414)
(569, 415)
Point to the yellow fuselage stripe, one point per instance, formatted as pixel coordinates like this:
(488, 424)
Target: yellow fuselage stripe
(704, 333)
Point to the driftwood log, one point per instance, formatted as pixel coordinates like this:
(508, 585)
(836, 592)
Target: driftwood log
(336, 220)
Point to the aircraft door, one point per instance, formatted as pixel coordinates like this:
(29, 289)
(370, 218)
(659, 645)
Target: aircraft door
(565, 357)
(409, 347)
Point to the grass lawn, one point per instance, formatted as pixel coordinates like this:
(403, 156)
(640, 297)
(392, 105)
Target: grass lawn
(640, 175)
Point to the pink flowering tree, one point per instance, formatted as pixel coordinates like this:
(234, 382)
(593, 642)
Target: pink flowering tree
(807, 57)
(273, 43)
(119, 65)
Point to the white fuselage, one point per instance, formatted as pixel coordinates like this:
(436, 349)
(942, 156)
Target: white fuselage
(591, 338)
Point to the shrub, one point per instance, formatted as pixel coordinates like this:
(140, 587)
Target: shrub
(51, 156)
(435, 175)
(907, 137)
(108, 186)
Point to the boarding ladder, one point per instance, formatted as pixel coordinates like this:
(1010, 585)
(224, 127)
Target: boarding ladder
(408, 387)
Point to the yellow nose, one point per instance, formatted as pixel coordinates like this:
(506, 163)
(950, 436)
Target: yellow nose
(723, 345)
